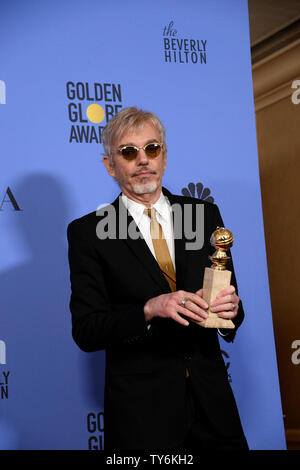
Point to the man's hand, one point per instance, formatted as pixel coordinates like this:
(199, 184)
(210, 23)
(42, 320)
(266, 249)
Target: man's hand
(179, 302)
(226, 304)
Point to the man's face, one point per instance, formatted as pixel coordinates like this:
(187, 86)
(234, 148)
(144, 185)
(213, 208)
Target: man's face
(142, 176)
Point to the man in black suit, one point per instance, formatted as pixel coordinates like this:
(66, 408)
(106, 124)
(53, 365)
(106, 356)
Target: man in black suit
(136, 276)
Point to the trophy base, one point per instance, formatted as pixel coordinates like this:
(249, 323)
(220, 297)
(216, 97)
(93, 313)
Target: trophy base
(213, 321)
(214, 281)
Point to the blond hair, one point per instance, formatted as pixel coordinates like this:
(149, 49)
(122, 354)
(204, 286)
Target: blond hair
(129, 119)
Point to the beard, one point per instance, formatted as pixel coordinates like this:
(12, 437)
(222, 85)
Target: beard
(145, 187)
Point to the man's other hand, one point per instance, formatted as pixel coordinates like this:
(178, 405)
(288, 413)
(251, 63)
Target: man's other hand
(226, 304)
(172, 305)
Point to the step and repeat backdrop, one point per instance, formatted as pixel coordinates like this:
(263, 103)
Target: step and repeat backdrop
(66, 67)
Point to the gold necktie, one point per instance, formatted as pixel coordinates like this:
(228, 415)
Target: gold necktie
(161, 250)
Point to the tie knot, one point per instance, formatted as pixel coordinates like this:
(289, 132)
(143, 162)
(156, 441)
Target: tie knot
(150, 213)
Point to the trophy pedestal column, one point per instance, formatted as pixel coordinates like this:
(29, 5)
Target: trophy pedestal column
(215, 281)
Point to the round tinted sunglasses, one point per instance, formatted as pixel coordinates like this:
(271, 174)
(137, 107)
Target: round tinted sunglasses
(129, 152)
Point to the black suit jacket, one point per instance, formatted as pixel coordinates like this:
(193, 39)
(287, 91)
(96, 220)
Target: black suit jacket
(111, 280)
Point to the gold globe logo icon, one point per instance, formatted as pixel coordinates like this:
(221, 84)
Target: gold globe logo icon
(95, 113)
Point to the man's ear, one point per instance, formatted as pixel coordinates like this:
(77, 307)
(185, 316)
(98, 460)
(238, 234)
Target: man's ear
(165, 160)
(109, 165)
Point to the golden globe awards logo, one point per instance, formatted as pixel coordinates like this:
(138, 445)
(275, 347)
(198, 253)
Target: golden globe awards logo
(8, 201)
(95, 427)
(90, 107)
(183, 50)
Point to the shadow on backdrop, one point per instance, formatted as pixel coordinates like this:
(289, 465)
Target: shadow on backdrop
(52, 382)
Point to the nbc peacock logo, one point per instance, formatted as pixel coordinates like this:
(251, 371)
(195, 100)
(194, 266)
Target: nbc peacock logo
(197, 190)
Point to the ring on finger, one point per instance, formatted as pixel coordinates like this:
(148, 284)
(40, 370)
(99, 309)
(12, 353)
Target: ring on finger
(183, 302)
(233, 306)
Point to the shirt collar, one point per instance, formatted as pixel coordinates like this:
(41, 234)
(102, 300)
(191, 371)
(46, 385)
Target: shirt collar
(137, 210)
(162, 206)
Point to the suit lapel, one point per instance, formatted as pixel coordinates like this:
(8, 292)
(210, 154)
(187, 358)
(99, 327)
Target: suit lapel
(138, 246)
(141, 251)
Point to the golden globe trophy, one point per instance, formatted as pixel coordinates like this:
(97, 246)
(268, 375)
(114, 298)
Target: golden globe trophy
(217, 278)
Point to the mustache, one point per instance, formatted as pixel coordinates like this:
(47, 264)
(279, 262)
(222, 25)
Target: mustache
(136, 173)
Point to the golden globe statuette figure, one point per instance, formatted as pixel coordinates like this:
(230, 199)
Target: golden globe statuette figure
(217, 278)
